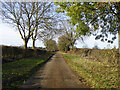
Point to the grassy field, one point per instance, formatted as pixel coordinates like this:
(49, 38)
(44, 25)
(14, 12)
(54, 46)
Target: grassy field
(16, 73)
(97, 74)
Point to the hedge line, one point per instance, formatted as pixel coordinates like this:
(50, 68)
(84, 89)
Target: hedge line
(102, 55)
(10, 53)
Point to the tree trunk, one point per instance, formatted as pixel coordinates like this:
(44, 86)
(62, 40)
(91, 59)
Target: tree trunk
(33, 44)
(73, 44)
(25, 44)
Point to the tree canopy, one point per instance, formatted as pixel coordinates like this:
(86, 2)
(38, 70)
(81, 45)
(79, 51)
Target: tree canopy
(63, 43)
(50, 45)
(104, 15)
(66, 42)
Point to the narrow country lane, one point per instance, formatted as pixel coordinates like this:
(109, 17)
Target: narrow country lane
(54, 74)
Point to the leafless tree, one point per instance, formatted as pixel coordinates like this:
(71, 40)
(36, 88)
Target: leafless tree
(27, 17)
(52, 30)
(70, 33)
(44, 19)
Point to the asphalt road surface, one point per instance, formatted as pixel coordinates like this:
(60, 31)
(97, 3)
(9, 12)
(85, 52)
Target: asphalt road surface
(56, 73)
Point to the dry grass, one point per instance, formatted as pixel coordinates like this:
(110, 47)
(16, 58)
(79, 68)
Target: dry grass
(98, 74)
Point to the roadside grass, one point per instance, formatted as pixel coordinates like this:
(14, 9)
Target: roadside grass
(16, 73)
(97, 74)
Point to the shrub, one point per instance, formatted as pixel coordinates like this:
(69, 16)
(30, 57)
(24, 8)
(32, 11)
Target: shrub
(10, 54)
(102, 55)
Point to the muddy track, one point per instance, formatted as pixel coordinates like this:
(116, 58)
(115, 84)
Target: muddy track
(54, 74)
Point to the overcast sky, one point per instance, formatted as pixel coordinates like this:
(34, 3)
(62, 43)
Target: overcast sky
(10, 36)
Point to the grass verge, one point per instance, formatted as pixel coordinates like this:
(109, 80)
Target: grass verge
(97, 74)
(16, 73)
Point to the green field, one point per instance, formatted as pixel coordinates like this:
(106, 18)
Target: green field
(16, 73)
(97, 74)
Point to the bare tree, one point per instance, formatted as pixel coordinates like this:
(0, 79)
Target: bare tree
(70, 33)
(46, 35)
(51, 30)
(19, 15)
(27, 17)
(43, 17)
